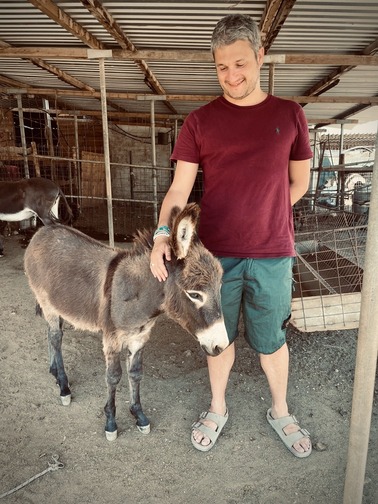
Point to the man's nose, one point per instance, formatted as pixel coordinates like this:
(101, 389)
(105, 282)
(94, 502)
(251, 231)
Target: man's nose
(233, 75)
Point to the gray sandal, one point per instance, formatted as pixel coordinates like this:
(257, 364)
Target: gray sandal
(212, 434)
(289, 439)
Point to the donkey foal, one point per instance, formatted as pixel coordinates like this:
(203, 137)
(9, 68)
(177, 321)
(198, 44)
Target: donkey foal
(98, 288)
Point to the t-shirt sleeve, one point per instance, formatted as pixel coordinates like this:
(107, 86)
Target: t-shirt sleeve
(301, 148)
(187, 147)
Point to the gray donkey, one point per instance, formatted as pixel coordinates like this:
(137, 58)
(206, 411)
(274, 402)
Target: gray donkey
(97, 288)
(25, 198)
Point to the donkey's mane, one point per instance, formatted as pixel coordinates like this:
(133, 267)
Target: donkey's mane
(142, 240)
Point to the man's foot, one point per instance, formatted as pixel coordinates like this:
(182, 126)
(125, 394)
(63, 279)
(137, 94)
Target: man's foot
(297, 440)
(206, 430)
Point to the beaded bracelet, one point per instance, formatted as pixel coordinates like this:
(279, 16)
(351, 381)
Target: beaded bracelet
(162, 231)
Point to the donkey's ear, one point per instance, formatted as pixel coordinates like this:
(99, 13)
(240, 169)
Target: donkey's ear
(183, 228)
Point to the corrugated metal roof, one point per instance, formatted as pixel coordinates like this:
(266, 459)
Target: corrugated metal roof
(302, 27)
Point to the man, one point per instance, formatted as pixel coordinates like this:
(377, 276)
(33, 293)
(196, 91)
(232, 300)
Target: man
(255, 155)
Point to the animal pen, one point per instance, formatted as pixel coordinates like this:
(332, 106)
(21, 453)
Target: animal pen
(39, 139)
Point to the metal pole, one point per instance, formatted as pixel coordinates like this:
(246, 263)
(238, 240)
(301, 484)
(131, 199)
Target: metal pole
(154, 171)
(49, 138)
(78, 155)
(153, 98)
(23, 139)
(366, 358)
(340, 174)
(105, 130)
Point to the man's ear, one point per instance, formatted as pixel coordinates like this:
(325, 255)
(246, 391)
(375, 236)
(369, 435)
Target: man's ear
(260, 56)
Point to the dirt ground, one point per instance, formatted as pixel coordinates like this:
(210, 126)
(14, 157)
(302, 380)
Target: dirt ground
(249, 464)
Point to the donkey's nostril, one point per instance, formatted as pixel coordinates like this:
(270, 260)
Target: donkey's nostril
(217, 350)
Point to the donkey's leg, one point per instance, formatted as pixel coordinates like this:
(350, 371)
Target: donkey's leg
(113, 376)
(55, 335)
(134, 363)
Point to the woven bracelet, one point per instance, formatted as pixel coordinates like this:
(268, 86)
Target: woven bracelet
(162, 231)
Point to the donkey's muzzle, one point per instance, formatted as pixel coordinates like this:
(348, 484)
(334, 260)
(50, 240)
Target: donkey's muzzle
(213, 352)
(214, 339)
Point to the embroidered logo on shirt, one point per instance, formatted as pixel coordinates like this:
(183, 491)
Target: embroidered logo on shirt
(277, 130)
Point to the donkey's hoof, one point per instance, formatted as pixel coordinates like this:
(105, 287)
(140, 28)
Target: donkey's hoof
(144, 429)
(66, 400)
(111, 436)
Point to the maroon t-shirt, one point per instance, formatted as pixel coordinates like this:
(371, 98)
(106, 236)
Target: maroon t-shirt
(244, 153)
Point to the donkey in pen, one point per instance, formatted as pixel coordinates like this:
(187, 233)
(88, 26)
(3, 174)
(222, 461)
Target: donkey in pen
(95, 287)
(22, 199)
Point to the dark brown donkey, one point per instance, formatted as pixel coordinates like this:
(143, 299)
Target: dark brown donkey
(98, 288)
(22, 199)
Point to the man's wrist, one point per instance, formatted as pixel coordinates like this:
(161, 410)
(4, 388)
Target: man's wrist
(162, 231)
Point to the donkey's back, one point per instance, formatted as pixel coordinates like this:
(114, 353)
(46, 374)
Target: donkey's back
(77, 267)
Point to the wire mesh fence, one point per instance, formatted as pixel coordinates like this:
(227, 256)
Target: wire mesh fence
(328, 273)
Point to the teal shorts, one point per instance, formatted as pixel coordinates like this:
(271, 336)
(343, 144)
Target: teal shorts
(260, 289)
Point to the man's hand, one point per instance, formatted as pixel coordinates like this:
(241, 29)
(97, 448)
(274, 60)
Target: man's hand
(160, 250)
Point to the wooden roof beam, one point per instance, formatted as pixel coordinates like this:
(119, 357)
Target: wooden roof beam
(104, 17)
(63, 76)
(333, 78)
(177, 97)
(272, 20)
(6, 81)
(59, 16)
(120, 117)
(183, 56)
(51, 10)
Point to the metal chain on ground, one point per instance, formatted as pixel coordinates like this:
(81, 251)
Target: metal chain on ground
(53, 466)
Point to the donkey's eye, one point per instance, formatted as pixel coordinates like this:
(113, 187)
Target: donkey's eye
(195, 296)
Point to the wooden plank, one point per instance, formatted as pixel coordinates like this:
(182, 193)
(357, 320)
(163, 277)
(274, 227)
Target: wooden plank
(92, 180)
(115, 95)
(60, 53)
(11, 153)
(324, 313)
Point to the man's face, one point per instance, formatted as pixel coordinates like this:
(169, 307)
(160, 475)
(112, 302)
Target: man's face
(238, 70)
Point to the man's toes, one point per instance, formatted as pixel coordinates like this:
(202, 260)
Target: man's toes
(200, 438)
(298, 447)
(301, 446)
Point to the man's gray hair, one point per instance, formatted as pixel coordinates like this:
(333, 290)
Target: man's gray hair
(236, 27)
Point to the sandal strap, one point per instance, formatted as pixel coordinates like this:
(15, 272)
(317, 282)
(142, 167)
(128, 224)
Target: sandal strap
(296, 436)
(206, 431)
(219, 420)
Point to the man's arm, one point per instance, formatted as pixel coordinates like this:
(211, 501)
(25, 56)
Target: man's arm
(299, 176)
(177, 195)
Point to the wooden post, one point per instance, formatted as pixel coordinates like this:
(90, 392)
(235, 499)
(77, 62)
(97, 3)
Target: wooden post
(271, 78)
(77, 157)
(153, 98)
(105, 130)
(153, 155)
(49, 138)
(35, 159)
(23, 138)
(366, 358)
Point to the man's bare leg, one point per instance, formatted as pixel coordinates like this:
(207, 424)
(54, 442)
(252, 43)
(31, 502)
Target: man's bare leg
(219, 371)
(276, 369)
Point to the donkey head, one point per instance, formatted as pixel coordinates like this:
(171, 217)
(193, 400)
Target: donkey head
(193, 286)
